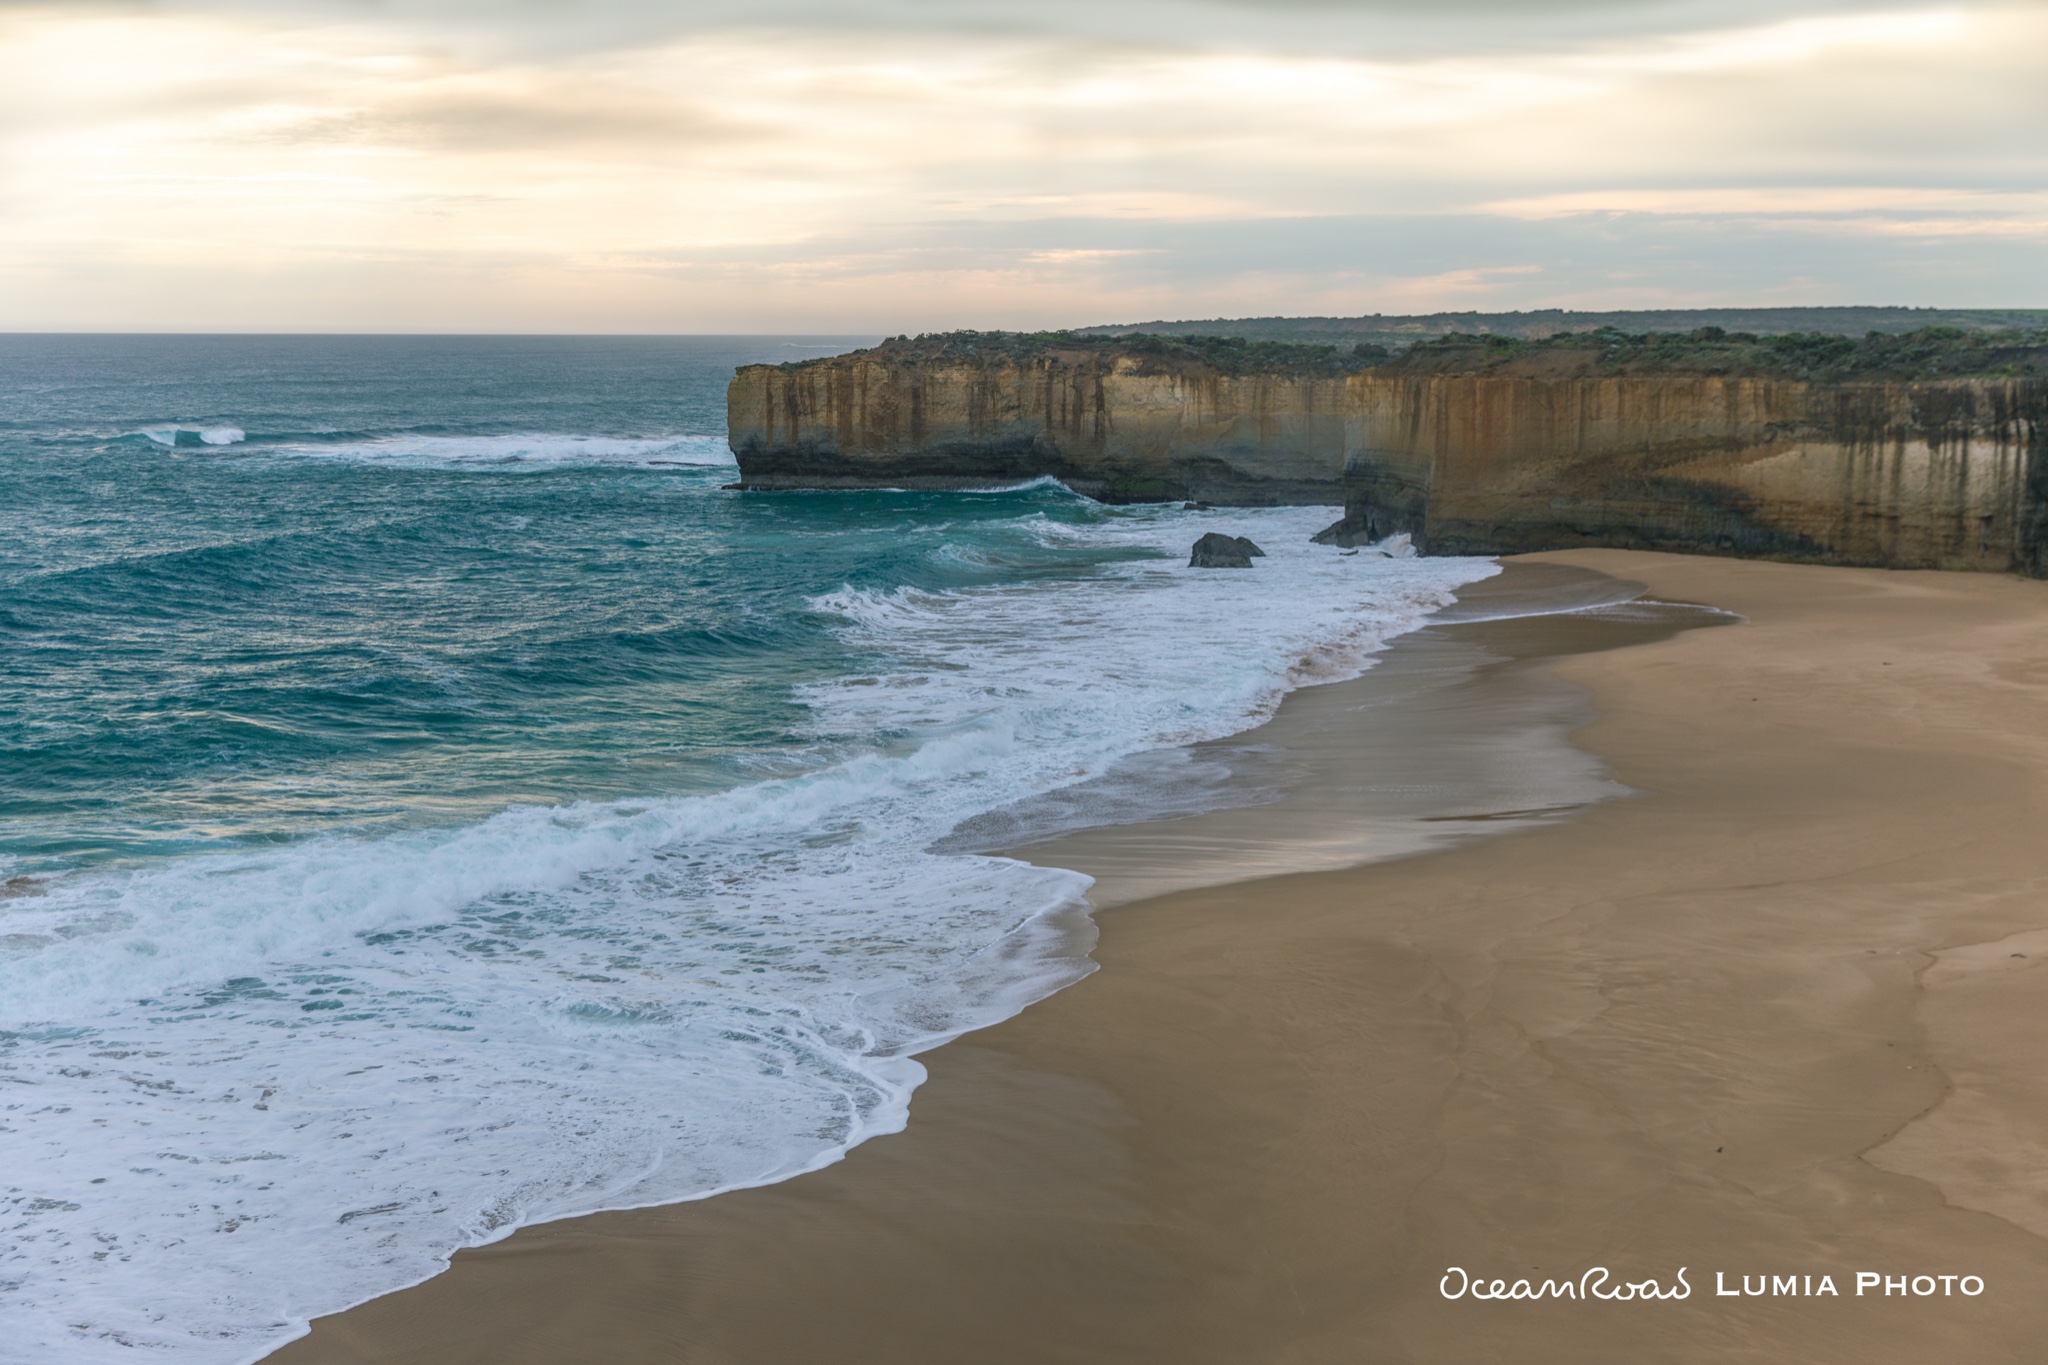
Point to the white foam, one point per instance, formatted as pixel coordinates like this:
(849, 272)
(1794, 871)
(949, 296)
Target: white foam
(212, 436)
(540, 449)
(246, 1090)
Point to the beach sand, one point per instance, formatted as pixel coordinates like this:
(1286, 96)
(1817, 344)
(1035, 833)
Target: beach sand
(1783, 1011)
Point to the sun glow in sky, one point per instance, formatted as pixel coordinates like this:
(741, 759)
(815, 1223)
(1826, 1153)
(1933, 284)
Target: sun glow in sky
(886, 166)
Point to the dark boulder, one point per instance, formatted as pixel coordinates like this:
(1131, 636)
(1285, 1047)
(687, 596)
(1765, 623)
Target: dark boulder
(1215, 551)
(1356, 529)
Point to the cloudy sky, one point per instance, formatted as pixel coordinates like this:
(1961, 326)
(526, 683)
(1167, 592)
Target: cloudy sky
(906, 165)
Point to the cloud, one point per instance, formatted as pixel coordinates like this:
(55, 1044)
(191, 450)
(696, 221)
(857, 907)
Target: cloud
(603, 165)
(1835, 210)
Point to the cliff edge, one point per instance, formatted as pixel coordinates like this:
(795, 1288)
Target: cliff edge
(1118, 419)
(1928, 450)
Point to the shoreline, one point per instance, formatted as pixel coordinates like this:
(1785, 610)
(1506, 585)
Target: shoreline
(1457, 732)
(1251, 1139)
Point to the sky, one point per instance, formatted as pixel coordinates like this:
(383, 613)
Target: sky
(883, 166)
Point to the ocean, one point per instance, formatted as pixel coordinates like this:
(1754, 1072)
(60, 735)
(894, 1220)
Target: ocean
(431, 803)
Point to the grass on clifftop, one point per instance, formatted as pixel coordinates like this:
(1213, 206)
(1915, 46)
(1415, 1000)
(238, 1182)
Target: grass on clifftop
(1931, 353)
(1825, 357)
(1401, 330)
(1226, 355)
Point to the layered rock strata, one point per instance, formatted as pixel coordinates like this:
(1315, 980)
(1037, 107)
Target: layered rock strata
(1122, 428)
(1938, 474)
(1542, 452)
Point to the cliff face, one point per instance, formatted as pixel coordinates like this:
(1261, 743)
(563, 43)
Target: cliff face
(1115, 427)
(1930, 473)
(1939, 474)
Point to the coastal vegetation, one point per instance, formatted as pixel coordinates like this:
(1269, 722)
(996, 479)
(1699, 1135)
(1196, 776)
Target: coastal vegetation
(1821, 357)
(1222, 354)
(1399, 331)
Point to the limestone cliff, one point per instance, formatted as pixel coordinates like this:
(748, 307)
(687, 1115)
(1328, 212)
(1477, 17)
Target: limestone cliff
(1940, 474)
(1113, 423)
(1872, 457)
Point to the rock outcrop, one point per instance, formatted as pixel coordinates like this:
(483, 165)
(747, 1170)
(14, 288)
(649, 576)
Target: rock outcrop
(1871, 457)
(1218, 551)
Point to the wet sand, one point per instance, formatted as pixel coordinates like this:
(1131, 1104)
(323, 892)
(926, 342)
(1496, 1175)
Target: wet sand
(1781, 1012)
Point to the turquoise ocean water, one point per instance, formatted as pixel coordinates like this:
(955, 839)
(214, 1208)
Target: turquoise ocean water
(430, 803)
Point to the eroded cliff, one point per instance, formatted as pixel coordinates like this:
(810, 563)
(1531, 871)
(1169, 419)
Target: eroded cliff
(1875, 453)
(1248, 425)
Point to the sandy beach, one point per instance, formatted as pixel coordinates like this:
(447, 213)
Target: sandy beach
(1776, 1014)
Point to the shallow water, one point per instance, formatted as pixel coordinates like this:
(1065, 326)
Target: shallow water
(1457, 732)
(429, 802)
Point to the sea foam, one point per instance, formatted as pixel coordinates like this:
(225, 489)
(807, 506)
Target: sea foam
(249, 1088)
(533, 449)
(196, 436)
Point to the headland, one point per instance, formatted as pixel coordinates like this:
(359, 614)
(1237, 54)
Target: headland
(1927, 449)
